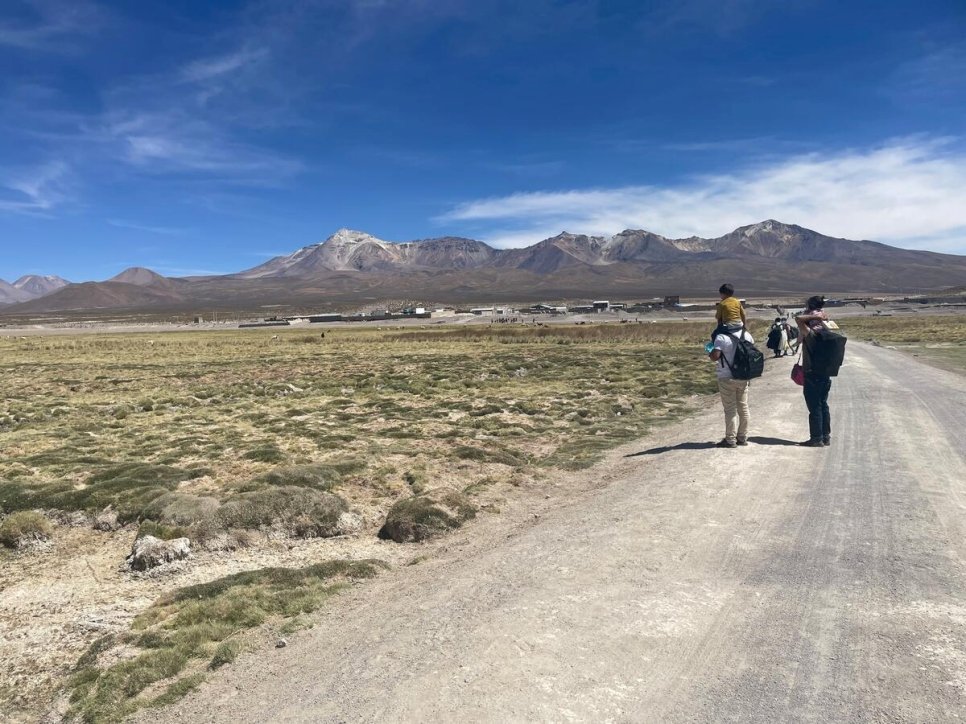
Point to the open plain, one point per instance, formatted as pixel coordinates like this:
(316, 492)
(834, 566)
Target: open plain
(216, 436)
(246, 442)
(679, 583)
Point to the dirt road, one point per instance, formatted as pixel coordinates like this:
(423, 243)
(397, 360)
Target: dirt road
(678, 582)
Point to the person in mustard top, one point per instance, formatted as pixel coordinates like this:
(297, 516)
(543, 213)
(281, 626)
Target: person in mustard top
(729, 313)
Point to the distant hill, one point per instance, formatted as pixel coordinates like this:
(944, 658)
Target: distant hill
(355, 268)
(38, 286)
(9, 294)
(141, 277)
(101, 295)
(30, 286)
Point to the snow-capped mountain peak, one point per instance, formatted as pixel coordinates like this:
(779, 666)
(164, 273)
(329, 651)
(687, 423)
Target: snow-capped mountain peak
(345, 237)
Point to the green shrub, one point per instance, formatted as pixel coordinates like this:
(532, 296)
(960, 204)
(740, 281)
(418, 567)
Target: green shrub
(302, 512)
(226, 653)
(427, 515)
(177, 690)
(320, 477)
(180, 508)
(268, 453)
(24, 527)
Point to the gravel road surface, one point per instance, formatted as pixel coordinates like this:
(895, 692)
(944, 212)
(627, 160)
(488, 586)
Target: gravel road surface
(676, 582)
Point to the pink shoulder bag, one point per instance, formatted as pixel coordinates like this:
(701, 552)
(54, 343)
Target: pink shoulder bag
(798, 372)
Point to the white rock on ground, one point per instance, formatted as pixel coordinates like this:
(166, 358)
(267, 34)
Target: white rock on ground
(149, 552)
(350, 523)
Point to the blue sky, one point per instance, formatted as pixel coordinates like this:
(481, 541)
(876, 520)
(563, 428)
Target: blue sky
(205, 137)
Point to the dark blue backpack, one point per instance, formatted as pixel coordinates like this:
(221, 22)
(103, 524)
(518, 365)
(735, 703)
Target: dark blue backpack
(826, 352)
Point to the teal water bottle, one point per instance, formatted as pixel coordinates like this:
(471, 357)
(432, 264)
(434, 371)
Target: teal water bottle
(708, 347)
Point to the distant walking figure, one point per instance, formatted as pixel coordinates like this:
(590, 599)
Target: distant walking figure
(774, 342)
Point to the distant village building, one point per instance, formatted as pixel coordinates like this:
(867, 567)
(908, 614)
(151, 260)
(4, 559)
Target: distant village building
(601, 306)
(672, 300)
(482, 311)
(544, 309)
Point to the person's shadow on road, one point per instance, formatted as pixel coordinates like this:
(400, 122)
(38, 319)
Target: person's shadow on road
(707, 446)
(771, 441)
(669, 448)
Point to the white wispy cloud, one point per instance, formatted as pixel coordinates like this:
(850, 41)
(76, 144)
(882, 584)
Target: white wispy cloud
(205, 69)
(939, 74)
(907, 192)
(723, 17)
(50, 25)
(36, 190)
(163, 230)
(173, 142)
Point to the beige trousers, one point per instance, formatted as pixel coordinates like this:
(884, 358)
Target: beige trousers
(734, 397)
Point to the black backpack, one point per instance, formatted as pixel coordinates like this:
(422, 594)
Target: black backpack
(826, 352)
(748, 362)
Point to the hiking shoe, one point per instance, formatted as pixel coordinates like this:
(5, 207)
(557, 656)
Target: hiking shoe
(726, 443)
(812, 443)
(742, 441)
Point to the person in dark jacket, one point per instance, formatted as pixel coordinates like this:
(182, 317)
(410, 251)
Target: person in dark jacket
(774, 341)
(817, 386)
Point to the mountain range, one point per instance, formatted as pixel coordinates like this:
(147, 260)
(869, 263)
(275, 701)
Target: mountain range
(355, 268)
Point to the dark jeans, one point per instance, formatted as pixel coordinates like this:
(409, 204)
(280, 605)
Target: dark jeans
(816, 390)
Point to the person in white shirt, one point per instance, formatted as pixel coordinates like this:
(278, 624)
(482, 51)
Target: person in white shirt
(734, 393)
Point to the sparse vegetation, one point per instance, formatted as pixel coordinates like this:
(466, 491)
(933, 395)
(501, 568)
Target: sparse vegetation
(212, 435)
(938, 339)
(22, 528)
(198, 627)
(168, 429)
(301, 512)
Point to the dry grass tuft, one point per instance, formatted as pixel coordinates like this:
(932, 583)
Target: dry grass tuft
(426, 515)
(20, 529)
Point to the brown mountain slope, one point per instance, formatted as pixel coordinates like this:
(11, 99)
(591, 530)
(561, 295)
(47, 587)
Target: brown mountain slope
(9, 294)
(141, 277)
(100, 295)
